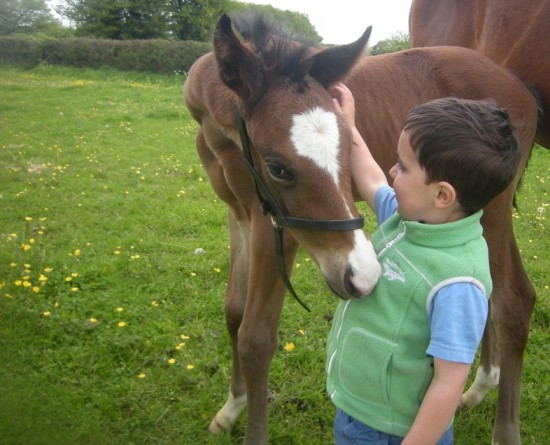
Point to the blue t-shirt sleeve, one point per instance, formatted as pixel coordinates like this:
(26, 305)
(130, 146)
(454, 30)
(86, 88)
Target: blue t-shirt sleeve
(385, 203)
(458, 314)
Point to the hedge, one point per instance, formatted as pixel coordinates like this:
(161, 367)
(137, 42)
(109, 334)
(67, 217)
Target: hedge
(155, 56)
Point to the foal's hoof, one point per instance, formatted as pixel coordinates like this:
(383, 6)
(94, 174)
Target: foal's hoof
(220, 424)
(470, 399)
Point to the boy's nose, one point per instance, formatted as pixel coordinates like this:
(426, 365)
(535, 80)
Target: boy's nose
(393, 171)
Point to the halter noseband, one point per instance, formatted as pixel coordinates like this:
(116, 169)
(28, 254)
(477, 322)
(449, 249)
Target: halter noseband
(268, 204)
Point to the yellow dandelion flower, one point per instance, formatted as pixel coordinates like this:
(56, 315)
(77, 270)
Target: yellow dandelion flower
(301, 331)
(217, 269)
(189, 367)
(121, 324)
(18, 283)
(193, 274)
(119, 309)
(92, 320)
(28, 218)
(117, 252)
(154, 303)
(74, 289)
(26, 247)
(180, 346)
(68, 279)
(76, 252)
(27, 266)
(171, 361)
(27, 283)
(184, 337)
(48, 270)
(74, 275)
(36, 289)
(13, 265)
(46, 313)
(141, 376)
(289, 347)
(42, 278)
(56, 304)
(31, 240)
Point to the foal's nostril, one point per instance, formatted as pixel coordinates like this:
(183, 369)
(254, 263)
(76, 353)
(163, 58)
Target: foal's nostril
(351, 289)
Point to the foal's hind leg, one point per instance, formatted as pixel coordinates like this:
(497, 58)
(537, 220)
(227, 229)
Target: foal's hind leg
(235, 298)
(488, 370)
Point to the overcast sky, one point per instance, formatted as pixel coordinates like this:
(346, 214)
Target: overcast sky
(343, 21)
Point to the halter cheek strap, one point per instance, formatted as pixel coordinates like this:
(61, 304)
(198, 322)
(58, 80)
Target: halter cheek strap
(268, 204)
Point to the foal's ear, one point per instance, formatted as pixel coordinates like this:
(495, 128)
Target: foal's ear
(239, 68)
(331, 65)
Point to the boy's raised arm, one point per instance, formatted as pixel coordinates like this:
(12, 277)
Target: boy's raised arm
(366, 173)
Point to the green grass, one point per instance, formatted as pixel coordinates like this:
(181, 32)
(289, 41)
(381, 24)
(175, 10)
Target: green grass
(111, 322)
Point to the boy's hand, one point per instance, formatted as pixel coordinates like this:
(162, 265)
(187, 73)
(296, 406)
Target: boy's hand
(344, 102)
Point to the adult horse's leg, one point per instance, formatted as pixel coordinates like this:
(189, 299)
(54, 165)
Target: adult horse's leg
(512, 316)
(258, 334)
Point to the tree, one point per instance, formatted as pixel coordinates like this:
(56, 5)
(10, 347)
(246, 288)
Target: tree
(195, 19)
(178, 19)
(117, 19)
(25, 16)
(397, 42)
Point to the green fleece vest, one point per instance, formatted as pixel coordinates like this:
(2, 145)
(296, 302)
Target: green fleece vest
(377, 367)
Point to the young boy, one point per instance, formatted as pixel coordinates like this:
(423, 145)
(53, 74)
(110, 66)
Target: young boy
(398, 359)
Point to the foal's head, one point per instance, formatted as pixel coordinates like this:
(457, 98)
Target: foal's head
(300, 141)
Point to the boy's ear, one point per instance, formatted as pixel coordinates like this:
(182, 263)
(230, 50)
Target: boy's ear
(446, 195)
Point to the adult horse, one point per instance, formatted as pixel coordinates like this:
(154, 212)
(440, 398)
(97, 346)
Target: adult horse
(512, 33)
(300, 145)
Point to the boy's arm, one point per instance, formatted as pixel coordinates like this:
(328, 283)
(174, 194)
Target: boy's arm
(439, 404)
(366, 173)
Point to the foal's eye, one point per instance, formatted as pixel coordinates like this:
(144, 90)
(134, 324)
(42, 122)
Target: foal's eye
(279, 172)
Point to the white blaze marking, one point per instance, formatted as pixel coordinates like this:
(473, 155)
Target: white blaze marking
(315, 136)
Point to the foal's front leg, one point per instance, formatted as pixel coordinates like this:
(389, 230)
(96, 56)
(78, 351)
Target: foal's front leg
(258, 334)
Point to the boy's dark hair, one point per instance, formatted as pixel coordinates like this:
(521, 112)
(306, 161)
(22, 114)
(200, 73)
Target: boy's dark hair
(467, 143)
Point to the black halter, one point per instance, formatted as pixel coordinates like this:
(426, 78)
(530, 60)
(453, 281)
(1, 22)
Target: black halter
(268, 204)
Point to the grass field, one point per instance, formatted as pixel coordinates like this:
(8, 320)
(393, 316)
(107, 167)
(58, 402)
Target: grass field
(113, 261)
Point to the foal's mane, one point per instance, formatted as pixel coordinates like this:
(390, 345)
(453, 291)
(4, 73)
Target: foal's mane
(282, 52)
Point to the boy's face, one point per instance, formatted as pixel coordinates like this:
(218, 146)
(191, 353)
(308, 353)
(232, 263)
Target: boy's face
(415, 198)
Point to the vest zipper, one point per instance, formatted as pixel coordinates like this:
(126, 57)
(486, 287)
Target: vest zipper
(389, 244)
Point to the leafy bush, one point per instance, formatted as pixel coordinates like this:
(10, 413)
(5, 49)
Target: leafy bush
(154, 56)
(19, 51)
